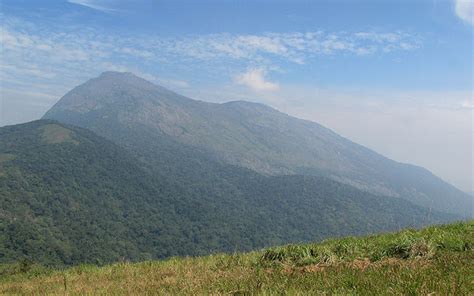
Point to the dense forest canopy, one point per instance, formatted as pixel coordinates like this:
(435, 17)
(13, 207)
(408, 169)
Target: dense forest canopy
(69, 196)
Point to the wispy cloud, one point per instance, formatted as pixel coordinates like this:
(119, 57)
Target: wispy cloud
(467, 104)
(295, 47)
(61, 57)
(465, 10)
(255, 79)
(88, 44)
(94, 4)
(76, 53)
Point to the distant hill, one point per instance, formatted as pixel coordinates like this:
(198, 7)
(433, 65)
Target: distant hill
(433, 261)
(139, 115)
(68, 196)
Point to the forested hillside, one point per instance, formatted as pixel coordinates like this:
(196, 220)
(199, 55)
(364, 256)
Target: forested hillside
(69, 196)
(127, 109)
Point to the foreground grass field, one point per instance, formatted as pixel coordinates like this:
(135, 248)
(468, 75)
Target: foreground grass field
(437, 260)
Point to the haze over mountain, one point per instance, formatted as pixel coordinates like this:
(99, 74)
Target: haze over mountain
(68, 196)
(236, 147)
(148, 119)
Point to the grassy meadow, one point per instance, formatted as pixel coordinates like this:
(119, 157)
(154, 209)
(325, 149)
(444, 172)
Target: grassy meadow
(437, 260)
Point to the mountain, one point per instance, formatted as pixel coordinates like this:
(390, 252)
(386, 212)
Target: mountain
(141, 117)
(69, 196)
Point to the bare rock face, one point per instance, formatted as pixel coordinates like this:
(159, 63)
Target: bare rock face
(246, 134)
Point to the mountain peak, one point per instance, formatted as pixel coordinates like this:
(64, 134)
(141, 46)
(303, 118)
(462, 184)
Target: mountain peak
(117, 75)
(109, 88)
(124, 78)
(125, 82)
(108, 73)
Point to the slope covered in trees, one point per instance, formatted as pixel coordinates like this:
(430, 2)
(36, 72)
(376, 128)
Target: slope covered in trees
(69, 196)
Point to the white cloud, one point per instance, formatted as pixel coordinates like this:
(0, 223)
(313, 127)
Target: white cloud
(30, 70)
(255, 79)
(94, 4)
(467, 104)
(136, 52)
(295, 47)
(465, 10)
(85, 48)
(61, 57)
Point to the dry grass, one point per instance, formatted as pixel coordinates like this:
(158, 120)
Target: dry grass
(415, 268)
(177, 276)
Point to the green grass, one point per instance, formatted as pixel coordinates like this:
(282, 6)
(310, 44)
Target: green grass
(433, 261)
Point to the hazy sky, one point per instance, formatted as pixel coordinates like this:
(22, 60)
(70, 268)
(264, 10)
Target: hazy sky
(396, 76)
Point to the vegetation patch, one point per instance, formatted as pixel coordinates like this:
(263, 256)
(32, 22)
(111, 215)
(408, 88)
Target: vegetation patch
(433, 261)
(4, 157)
(55, 134)
(65, 204)
(407, 244)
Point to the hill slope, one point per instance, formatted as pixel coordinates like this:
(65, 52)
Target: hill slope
(127, 109)
(68, 196)
(436, 260)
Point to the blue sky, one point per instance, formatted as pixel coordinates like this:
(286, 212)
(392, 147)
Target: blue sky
(396, 76)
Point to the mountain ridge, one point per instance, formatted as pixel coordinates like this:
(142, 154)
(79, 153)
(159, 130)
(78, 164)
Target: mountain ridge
(251, 135)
